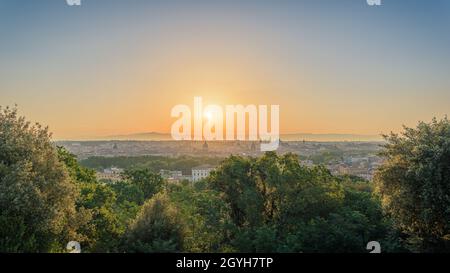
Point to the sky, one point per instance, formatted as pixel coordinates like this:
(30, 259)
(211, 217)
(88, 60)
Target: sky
(113, 67)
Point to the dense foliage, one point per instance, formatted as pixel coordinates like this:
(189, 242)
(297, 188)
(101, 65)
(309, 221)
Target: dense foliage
(415, 184)
(150, 162)
(277, 205)
(266, 204)
(37, 196)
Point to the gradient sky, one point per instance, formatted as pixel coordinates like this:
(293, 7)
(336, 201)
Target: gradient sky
(118, 66)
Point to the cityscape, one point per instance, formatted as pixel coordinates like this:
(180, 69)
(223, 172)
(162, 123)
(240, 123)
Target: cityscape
(341, 158)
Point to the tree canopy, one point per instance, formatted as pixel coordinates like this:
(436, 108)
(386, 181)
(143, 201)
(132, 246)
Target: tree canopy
(414, 183)
(271, 203)
(37, 194)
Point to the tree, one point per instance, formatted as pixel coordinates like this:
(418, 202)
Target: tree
(37, 194)
(147, 181)
(414, 183)
(278, 205)
(157, 228)
(238, 186)
(106, 225)
(205, 217)
(127, 191)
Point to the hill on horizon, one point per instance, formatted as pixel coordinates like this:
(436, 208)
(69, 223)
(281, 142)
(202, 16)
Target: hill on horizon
(156, 136)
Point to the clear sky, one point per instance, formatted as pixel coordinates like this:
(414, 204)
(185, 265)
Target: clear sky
(118, 66)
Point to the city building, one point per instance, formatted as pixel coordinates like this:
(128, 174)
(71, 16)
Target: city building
(201, 172)
(171, 176)
(112, 174)
(167, 174)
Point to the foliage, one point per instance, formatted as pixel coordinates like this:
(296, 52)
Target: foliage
(150, 162)
(37, 195)
(205, 215)
(277, 205)
(147, 181)
(157, 228)
(266, 204)
(414, 183)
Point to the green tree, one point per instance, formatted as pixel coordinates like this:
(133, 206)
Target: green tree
(205, 216)
(129, 198)
(37, 194)
(106, 225)
(147, 181)
(414, 183)
(127, 191)
(157, 228)
(278, 205)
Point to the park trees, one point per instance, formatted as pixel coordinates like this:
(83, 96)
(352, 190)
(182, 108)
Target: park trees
(414, 183)
(278, 205)
(157, 228)
(147, 181)
(37, 194)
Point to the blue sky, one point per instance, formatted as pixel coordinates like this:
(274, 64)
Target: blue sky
(118, 66)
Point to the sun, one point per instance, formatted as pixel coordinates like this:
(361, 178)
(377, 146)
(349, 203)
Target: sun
(209, 115)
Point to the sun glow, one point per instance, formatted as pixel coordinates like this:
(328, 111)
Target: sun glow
(209, 115)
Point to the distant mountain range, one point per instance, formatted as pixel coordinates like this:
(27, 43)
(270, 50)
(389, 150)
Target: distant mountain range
(155, 136)
(330, 137)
